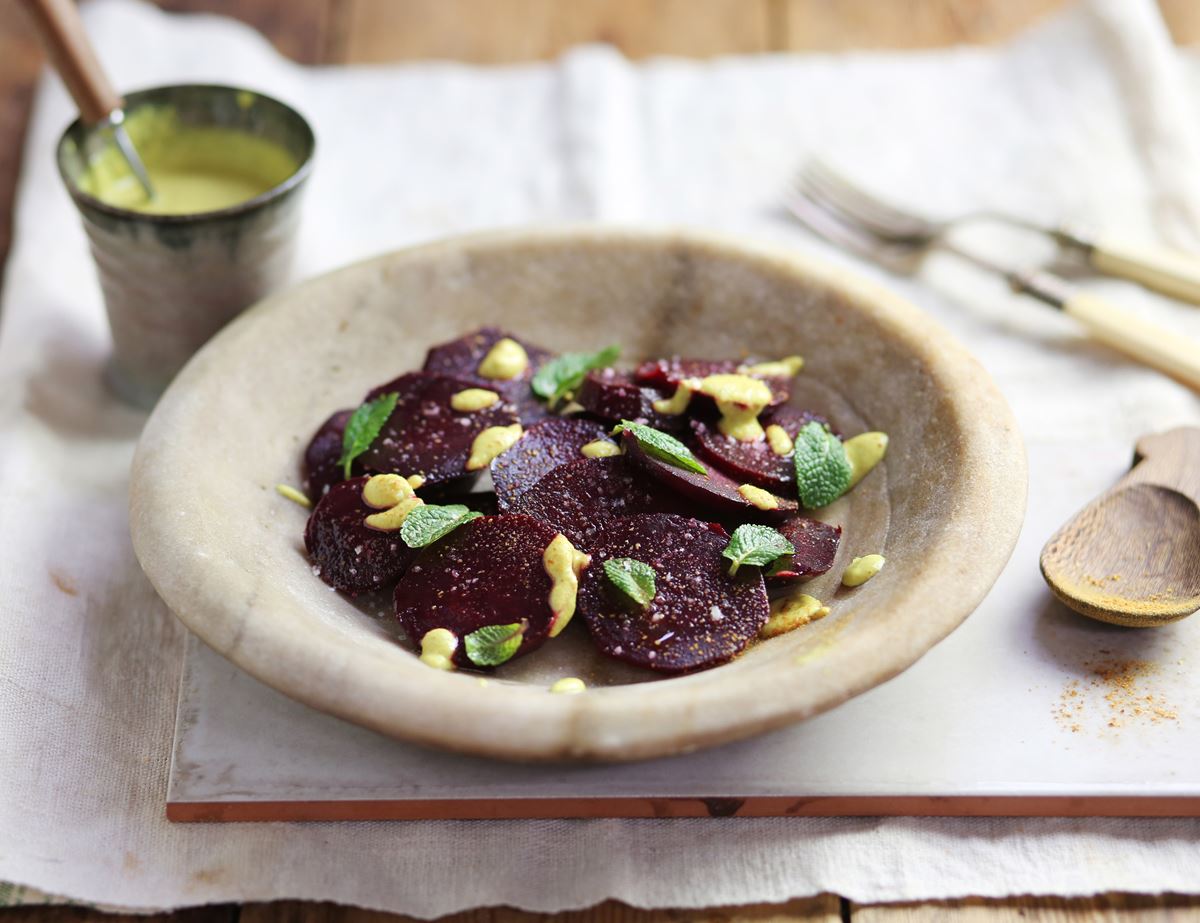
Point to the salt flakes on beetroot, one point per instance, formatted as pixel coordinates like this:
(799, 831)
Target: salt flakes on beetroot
(816, 545)
(715, 492)
(699, 616)
(668, 374)
(321, 468)
(487, 572)
(614, 396)
(755, 462)
(461, 358)
(425, 435)
(579, 497)
(346, 552)
(542, 448)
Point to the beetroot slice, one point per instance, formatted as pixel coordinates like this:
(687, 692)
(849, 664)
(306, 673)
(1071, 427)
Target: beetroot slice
(717, 493)
(578, 498)
(754, 462)
(699, 617)
(425, 435)
(346, 552)
(460, 359)
(816, 545)
(543, 447)
(614, 396)
(487, 572)
(668, 373)
(321, 468)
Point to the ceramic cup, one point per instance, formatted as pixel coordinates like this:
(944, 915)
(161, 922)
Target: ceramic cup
(171, 281)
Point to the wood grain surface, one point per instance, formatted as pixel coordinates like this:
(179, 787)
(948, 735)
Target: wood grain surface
(336, 31)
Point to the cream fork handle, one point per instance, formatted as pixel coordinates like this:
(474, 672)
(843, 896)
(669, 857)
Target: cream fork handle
(1148, 343)
(1168, 271)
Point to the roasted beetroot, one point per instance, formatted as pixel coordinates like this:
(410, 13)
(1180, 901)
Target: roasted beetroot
(667, 374)
(487, 572)
(755, 462)
(425, 435)
(346, 552)
(714, 492)
(321, 468)
(614, 396)
(461, 359)
(543, 447)
(816, 545)
(699, 616)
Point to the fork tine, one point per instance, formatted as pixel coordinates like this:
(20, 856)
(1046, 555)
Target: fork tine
(862, 207)
(833, 227)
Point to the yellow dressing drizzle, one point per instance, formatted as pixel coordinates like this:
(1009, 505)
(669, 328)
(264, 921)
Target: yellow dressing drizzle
(862, 569)
(564, 565)
(438, 647)
(394, 496)
(490, 443)
(600, 448)
(864, 452)
(788, 367)
(779, 440)
(678, 402)
(473, 399)
(568, 685)
(740, 399)
(756, 496)
(505, 361)
(286, 490)
(416, 481)
(792, 612)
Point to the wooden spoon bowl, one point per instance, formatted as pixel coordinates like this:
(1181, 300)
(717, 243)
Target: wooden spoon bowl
(1132, 556)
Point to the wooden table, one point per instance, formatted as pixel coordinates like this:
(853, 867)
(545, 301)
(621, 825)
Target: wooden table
(494, 31)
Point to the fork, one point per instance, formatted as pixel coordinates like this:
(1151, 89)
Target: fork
(1143, 341)
(1167, 271)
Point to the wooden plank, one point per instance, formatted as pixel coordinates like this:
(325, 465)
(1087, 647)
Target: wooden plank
(20, 58)
(497, 31)
(823, 909)
(68, 913)
(810, 25)
(1183, 19)
(1113, 908)
(299, 29)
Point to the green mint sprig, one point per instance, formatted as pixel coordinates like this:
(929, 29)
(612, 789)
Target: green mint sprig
(426, 524)
(493, 645)
(662, 446)
(823, 471)
(364, 427)
(566, 372)
(633, 578)
(756, 545)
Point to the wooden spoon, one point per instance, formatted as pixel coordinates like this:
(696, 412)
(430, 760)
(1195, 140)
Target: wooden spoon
(1132, 555)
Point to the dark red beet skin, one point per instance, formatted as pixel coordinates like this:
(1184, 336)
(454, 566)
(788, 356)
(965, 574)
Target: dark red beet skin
(668, 373)
(578, 498)
(321, 468)
(425, 435)
(699, 617)
(346, 552)
(488, 572)
(816, 545)
(614, 396)
(460, 359)
(754, 462)
(714, 493)
(542, 448)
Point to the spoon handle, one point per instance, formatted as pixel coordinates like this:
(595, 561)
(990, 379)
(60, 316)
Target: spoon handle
(61, 31)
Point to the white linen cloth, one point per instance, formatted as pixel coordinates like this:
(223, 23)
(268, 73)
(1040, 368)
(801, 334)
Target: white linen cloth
(1091, 117)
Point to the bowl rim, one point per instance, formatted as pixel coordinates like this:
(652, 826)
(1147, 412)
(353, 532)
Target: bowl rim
(523, 722)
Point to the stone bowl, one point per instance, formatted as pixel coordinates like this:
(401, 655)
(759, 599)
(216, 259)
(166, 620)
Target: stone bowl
(226, 551)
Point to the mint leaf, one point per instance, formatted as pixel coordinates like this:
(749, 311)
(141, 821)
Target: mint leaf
(427, 523)
(566, 372)
(756, 545)
(633, 578)
(661, 446)
(822, 469)
(493, 645)
(363, 428)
